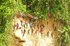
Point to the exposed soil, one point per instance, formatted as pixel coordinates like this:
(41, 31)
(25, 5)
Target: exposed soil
(40, 33)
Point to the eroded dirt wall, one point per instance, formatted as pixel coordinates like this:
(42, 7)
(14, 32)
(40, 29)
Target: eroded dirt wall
(36, 32)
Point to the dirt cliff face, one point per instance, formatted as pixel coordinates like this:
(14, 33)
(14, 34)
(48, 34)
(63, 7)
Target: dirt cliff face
(31, 32)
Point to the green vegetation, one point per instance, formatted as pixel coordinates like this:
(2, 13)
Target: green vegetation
(8, 8)
(58, 9)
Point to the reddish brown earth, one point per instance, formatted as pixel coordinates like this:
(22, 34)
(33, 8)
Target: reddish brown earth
(42, 33)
